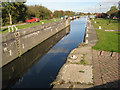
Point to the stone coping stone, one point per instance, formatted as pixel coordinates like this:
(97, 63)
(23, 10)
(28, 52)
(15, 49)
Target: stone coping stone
(76, 73)
(80, 53)
(68, 85)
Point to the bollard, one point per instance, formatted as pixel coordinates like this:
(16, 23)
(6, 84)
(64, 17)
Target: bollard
(86, 35)
(95, 22)
(61, 18)
(100, 27)
(42, 22)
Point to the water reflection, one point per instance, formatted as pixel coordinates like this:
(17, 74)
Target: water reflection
(14, 71)
(59, 50)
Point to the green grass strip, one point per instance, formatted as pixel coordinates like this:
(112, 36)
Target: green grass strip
(5, 30)
(107, 41)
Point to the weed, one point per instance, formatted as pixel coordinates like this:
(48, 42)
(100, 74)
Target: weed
(83, 62)
(90, 83)
(53, 83)
(82, 71)
(71, 86)
(78, 83)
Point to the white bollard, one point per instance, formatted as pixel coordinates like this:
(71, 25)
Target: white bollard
(86, 35)
(42, 22)
(95, 22)
(62, 18)
(100, 27)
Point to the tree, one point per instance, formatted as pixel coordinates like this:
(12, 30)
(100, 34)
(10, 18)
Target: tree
(63, 13)
(9, 8)
(113, 8)
(113, 11)
(58, 13)
(15, 11)
(38, 11)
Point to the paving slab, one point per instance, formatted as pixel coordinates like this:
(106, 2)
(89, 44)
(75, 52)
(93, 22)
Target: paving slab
(106, 70)
(80, 53)
(73, 86)
(76, 73)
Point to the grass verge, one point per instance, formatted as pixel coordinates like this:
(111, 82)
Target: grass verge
(5, 30)
(107, 41)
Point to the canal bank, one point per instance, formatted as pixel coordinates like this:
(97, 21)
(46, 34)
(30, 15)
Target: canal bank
(17, 43)
(77, 72)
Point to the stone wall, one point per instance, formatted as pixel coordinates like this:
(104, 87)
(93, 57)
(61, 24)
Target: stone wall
(17, 43)
(17, 68)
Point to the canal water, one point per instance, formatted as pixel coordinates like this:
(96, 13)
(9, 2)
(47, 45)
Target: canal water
(39, 67)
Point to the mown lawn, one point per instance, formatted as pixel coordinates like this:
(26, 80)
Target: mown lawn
(5, 30)
(104, 23)
(108, 41)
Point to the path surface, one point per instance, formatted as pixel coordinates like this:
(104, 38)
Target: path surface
(105, 69)
(101, 70)
(14, 24)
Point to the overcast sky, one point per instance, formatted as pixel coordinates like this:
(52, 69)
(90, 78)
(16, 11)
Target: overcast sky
(76, 5)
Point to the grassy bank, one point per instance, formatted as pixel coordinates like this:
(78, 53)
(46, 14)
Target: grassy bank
(5, 30)
(107, 41)
(104, 23)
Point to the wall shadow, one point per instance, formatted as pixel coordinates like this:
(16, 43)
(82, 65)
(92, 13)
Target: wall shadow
(110, 85)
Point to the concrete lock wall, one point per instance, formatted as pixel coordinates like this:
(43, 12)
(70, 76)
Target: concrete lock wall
(17, 43)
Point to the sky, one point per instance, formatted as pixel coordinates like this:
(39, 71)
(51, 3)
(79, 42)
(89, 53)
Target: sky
(76, 5)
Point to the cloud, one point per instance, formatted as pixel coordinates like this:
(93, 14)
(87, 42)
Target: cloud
(68, 1)
(109, 0)
(76, 5)
(59, 50)
(62, 1)
(66, 42)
